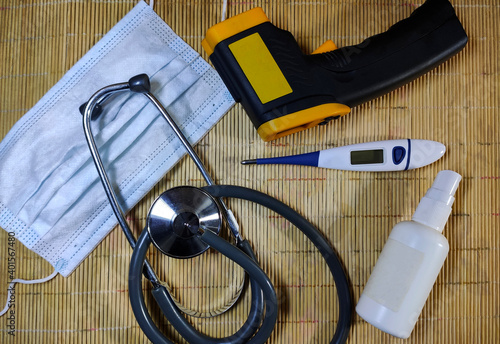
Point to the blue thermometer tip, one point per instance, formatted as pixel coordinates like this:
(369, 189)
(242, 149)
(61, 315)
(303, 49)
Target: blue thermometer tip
(307, 159)
(249, 162)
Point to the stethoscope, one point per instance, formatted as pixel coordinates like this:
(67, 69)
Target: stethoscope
(184, 222)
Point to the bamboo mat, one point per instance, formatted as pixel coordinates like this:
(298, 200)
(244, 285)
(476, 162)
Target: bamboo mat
(457, 104)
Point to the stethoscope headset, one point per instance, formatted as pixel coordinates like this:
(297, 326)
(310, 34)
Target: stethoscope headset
(184, 222)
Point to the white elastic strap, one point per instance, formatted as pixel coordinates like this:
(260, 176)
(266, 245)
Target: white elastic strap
(224, 10)
(152, 3)
(18, 280)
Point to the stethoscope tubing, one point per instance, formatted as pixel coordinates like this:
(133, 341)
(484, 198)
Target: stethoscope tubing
(313, 234)
(261, 285)
(182, 325)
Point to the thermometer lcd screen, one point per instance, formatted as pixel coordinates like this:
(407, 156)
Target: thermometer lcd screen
(372, 156)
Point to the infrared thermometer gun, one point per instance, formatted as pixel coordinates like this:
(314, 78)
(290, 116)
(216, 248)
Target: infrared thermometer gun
(284, 91)
(379, 156)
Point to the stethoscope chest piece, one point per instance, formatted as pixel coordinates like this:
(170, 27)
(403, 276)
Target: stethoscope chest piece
(176, 218)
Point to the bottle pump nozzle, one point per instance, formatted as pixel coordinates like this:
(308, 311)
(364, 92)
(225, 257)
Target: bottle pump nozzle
(435, 207)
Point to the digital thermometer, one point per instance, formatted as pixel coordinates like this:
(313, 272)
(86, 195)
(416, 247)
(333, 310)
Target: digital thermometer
(390, 155)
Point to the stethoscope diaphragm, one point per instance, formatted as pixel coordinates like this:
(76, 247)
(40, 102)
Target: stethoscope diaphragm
(176, 217)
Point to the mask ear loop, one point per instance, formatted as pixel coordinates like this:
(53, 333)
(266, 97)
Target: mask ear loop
(224, 10)
(152, 3)
(23, 281)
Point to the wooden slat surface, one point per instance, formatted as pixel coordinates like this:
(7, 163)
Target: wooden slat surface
(457, 104)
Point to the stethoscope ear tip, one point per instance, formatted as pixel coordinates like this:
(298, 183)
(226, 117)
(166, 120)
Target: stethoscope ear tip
(137, 84)
(140, 83)
(95, 113)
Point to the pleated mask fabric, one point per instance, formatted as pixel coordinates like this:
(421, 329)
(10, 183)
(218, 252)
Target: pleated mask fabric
(50, 194)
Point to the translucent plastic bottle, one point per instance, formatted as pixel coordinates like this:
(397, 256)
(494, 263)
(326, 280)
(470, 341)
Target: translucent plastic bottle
(410, 262)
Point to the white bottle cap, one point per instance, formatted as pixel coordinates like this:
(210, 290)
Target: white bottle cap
(435, 207)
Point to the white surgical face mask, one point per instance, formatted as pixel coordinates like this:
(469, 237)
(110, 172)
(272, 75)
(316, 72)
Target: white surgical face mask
(50, 193)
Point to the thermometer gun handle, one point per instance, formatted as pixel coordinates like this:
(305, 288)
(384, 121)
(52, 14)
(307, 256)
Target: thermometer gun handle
(285, 91)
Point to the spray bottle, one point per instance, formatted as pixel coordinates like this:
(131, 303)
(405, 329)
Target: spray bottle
(410, 262)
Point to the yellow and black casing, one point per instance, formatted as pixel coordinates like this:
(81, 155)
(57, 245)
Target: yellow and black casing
(284, 91)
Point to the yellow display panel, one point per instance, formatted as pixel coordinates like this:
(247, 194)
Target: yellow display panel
(260, 68)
